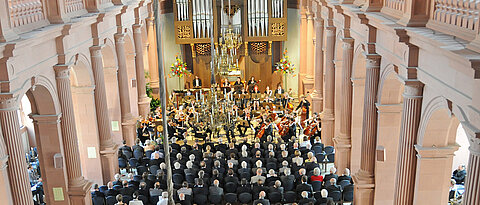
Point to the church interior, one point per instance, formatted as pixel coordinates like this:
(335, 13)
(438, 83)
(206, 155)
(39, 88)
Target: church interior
(156, 102)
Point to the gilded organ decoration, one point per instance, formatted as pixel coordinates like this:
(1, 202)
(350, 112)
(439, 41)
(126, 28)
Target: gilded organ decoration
(184, 32)
(278, 29)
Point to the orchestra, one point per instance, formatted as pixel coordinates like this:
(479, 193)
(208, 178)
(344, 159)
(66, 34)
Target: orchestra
(238, 107)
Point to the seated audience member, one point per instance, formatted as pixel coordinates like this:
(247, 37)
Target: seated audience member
(126, 190)
(277, 187)
(119, 199)
(261, 199)
(164, 199)
(331, 175)
(96, 191)
(316, 175)
(324, 198)
(284, 166)
(244, 187)
(110, 191)
(459, 174)
(231, 177)
(333, 186)
(288, 180)
(135, 200)
(185, 189)
(125, 151)
(259, 187)
(183, 200)
(271, 177)
(304, 187)
(156, 191)
(305, 199)
(345, 176)
(215, 189)
(200, 188)
(257, 177)
(117, 181)
(143, 189)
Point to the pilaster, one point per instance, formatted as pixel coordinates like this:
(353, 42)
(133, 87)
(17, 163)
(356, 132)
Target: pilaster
(317, 94)
(103, 120)
(128, 121)
(328, 115)
(472, 181)
(78, 187)
(365, 178)
(343, 139)
(143, 101)
(152, 54)
(17, 168)
(405, 179)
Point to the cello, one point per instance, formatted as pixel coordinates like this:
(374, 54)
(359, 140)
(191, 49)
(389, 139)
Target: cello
(262, 131)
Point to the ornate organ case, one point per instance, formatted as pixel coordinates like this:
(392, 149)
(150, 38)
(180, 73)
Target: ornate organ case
(262, 23)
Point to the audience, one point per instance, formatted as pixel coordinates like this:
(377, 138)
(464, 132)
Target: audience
(271, 168)
(459, 174)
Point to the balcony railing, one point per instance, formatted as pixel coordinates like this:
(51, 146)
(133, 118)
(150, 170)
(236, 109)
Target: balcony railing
(455, 17)
(23, 12)
(394, 7)
(73, 6)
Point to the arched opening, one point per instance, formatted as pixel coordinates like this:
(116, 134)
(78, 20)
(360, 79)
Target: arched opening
(110, 70)
(41, 112)
(132, 75)
(435, 147)
(358, 81)
(83, 87)
(389, 106)
(461, 155)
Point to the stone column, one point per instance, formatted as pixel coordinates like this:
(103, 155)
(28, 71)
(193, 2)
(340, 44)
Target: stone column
(152, 54)
(308, 80)
(143, 102)
(303, 49)
(108, 149)
(365, 179)
(5, 191)
(317, 94)
(407, 160)
(78, 187)
(472, 181)
(343, 142)
(328, 114)
(128, 122)
(17, 167)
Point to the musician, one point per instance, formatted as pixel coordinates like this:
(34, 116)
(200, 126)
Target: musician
(238, 85)
(292, 131)
(256, 101)
(305, 105)
(251, 83)
(280, 91)
(268, 94)
(197, 82)
(268, 126)
(225, 83)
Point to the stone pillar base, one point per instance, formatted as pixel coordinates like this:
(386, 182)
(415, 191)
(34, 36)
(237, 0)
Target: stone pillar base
(317, 102)
(4, 182)
(343, 149)
(364, 188)
(80, 195)
(144, 106)
(328, 128)
(109, 158)
(128, 130)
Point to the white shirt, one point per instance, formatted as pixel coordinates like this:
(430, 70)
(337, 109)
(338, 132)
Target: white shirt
(162, 201)
(135, 202)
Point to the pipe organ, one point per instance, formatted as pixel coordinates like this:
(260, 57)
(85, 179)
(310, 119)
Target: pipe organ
(254, 20)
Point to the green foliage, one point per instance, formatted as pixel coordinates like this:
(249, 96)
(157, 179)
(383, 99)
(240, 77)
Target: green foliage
(155, 102)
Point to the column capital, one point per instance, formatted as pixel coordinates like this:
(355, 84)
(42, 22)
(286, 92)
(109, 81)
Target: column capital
(62, 71)
(8, 102)
(119, 37)
(45, 119)
(435, 152)
(347, 43)
(136, 28)
(96, 50)
(373, 61)
(413, 89)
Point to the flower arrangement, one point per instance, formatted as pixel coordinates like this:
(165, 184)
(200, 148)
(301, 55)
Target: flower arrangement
(179, 68)
(285, 66)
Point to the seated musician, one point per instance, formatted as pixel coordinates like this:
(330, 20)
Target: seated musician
(268, 126)
(225, 83)
(280, 91)
(256, 101)
(198, 131)
(238, 85)
(268, 94)
(305, 105)
(197, 82)
(251, 83)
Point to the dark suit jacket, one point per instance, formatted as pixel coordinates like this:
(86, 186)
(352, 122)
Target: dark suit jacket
(288, 182)
(244, 189)
(306, 201)
(262, 201)
(98, 193)
(303, 187)
(127, 191)
(111, 192)
(200, 190)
